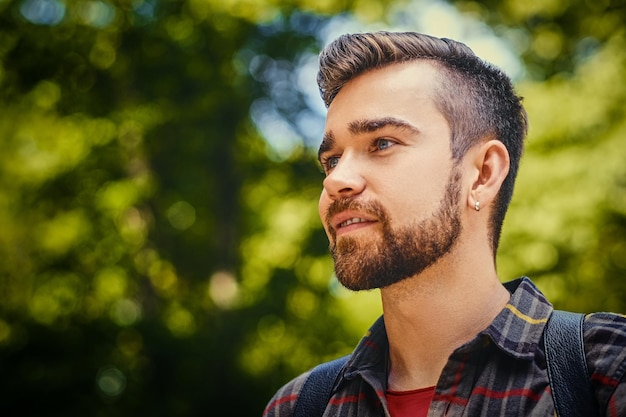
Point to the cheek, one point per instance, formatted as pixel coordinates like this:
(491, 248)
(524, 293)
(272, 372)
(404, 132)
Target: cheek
(413, 196)
(323, 204)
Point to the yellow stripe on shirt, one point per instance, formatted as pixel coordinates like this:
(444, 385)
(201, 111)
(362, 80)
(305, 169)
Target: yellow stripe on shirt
(524, 316)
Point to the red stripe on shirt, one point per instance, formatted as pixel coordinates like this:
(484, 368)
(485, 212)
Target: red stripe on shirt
(451, 396)
(371, 344)
(613, 407)
(605, 380)
(506, 394)
(279, 401)
(457, 377)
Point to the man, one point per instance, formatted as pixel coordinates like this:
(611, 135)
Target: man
(421, 149)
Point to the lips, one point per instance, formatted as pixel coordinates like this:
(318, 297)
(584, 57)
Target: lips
(342, 221)
(352, 221)
(347, 214)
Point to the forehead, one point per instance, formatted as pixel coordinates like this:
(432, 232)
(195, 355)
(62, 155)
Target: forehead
(404, 91)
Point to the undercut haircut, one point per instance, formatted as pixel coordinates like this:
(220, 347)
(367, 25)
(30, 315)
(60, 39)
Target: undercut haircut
(476, 98)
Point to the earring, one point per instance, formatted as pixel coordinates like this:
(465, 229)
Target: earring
(477, 205)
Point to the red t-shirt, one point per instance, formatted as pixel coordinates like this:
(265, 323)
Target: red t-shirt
(413, 403)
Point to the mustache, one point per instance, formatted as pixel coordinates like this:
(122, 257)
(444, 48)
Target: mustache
(370, 207)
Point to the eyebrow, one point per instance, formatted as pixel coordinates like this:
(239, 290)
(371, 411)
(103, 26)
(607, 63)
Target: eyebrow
(371, 125)
(366, 126)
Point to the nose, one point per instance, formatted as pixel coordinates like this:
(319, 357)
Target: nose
(345, 180)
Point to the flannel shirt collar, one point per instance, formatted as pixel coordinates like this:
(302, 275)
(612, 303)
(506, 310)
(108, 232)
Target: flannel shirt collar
(516, 330)
(372, 351)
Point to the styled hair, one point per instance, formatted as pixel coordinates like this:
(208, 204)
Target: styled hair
(476, 98)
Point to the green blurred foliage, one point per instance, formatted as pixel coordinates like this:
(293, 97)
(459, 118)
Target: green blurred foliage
(161, 251)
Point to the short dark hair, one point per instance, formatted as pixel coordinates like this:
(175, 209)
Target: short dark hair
(477, 99)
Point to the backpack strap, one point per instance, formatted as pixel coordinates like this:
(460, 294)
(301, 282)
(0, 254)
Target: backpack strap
(567, 365)
(565, 359)
(317, 389)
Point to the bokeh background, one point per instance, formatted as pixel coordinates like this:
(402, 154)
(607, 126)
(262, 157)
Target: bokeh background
(160, 250)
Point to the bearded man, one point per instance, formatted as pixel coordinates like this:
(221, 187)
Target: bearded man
(421, 148)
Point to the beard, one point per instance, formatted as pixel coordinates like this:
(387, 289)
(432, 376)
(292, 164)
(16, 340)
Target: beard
(361, 264)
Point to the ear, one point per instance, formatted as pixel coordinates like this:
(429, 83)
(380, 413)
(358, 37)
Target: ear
(489, 165)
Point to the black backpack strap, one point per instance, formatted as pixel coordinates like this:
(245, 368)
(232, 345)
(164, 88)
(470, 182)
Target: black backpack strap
(316, 391)
(567, 365)
(565, 359)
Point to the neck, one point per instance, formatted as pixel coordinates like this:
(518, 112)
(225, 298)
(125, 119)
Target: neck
(430, 315)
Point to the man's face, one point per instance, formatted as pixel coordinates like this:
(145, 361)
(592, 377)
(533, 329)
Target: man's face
(390, 199)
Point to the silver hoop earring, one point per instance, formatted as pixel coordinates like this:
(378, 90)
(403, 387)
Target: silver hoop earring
(477, 205)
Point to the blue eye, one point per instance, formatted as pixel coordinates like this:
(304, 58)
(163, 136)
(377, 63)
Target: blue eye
(382, 144)
(330, 162)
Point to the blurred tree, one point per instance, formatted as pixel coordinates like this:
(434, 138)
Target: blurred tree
(142, 219)
(554, 36)
(159, 234)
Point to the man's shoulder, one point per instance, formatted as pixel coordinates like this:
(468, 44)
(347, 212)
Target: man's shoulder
(605, 347)
(602, 330)
(283, 402)
(308, 388)
(605, 333)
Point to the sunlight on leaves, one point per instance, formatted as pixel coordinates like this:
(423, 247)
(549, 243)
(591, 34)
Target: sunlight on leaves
(302, 303)
(163, 278)
(56, 297)
(58, 235)
(179, 321)
(110, 284)
(116, 197)
(126, 312)
(181, 215)
(223, 289)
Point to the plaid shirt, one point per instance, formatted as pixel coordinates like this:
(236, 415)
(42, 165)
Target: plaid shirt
(501, 372)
